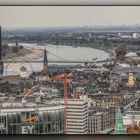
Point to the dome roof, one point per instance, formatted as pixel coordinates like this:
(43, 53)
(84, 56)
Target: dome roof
(131, 54)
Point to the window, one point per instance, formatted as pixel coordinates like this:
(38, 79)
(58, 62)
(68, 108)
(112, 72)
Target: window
(2, 131)
(14, 129)
(46, 128)
(40, 116)
(9, 118)
(54, 127)
(49, 128)
(46, 117)
(40, 128)
(60, 126)
(18, 118)
(49, 116)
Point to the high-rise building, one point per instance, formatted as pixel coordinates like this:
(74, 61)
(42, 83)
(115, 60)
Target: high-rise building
(136, 35)
(78, 91)
(77, 116)
(1, 63)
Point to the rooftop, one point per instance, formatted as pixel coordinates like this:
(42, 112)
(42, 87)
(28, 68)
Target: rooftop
(131, 54)
(107, 131)
(119, 70)
(95, 113)
(18, 106)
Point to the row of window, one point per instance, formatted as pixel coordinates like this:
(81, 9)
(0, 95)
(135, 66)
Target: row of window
(42, 122)
(57, 128)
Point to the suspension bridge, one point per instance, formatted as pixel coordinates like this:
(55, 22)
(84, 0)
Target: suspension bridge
(41, 61)
(60, 60)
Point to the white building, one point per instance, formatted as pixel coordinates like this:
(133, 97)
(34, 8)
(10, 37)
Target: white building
(77, 115)
(94, 123)
(85, 98)
(98, 122)
(131, 116)
(136, 35)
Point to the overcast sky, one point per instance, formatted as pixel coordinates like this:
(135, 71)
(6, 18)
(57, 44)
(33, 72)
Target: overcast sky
(72, 2)
(48, 16)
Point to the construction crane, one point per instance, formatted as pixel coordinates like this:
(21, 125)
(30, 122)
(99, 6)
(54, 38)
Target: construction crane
(29, 92)
(65, 78)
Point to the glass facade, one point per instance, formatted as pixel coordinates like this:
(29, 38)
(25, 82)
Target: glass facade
(33, 122)
(3, 124)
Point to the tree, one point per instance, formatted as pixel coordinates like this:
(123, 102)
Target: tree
(120, 53)
(4, 53)
(21, 47)
(15, 49)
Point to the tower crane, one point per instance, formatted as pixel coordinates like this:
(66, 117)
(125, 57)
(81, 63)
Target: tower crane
(29, 92)
(65, 78)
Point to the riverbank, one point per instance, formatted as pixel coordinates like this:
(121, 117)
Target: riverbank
(93, 46)
(57, 53)
(67, 52)
(33, 53)
(21, 53)
(27, 53)
(36, 51)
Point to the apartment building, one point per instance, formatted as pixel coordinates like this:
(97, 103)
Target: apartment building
(94, 123)
(97, 121)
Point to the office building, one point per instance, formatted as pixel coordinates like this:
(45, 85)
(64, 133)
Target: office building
(77, 116)
(16, 119)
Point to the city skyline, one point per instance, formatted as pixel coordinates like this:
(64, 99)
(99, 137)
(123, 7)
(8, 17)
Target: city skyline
(59, 16)
(70, 80)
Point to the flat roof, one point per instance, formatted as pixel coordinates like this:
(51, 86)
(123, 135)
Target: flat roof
(106, 131)
(70, 101)
(26, 109)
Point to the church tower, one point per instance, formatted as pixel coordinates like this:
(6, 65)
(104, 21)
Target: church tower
(119, 127)
(45, 61)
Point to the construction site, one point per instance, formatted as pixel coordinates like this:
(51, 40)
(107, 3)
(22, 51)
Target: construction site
(98, 97)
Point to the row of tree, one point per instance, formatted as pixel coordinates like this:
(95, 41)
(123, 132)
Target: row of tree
(10, 49)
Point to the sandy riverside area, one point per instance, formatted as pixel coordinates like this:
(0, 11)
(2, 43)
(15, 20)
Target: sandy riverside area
(33, 54)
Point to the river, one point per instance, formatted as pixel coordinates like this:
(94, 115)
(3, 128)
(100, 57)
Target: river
(68, 53)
